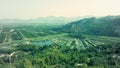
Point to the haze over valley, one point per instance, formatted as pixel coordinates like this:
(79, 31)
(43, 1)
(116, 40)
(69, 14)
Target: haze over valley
(59, 34)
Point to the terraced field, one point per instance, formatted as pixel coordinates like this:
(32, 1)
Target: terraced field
(50, 48)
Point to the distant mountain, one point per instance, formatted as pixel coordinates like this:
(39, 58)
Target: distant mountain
(107, 26)
(49, 19)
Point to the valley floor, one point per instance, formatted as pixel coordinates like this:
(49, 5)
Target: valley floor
(23, 48)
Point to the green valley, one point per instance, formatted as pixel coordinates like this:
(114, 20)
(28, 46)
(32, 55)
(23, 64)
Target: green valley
(87, 43)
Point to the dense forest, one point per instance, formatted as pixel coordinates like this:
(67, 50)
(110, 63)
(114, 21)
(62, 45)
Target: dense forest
(56, 56)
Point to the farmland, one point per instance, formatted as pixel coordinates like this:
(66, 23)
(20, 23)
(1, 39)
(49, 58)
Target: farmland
(38, 46)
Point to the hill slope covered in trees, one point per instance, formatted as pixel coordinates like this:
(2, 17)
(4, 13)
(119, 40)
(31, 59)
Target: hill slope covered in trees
(105, 26)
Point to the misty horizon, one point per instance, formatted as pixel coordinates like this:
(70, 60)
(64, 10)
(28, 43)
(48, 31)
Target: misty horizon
(29, 9)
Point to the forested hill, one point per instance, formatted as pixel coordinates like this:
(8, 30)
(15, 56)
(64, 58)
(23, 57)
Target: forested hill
(106, 26)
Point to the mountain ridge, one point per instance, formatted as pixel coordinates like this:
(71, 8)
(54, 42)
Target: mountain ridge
(49, 19)
(107, 26)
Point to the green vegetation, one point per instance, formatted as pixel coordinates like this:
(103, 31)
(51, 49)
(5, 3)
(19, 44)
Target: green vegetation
(81, 44)
(102, 56)
(103, 26)
(2, 36)
(17, 36)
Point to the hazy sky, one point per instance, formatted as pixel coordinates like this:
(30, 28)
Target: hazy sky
(41, 8)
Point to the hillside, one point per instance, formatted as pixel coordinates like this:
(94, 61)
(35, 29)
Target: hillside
(105, 26)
